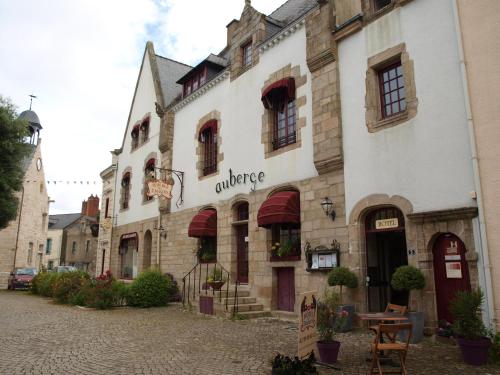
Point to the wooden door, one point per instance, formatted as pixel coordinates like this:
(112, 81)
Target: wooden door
(286, 289)
(242, 252)
(451, 272)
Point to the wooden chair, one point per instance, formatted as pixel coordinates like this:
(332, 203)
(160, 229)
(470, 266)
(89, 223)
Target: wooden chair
(398, 309)
(400, 348)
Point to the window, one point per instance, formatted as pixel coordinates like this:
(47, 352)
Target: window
(392, 90)
(145, 130)
(207, 251)
(195, 82)
(149, 174)
(379, 4)
(125, 190)
(286, 239)
(208, 137)
(284, 125)
(48, 248)
(87, 246)
(50, 265)
(247, 54)
(30, 252)
(106, 212)
(73, 247)
(135, 137)
(242, 212)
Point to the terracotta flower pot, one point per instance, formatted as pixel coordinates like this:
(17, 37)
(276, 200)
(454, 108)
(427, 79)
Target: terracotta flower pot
(328, 351)
(474, 352)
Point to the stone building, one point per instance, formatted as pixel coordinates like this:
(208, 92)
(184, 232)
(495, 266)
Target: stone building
(480, 63)
(132, 241)
(323, 134)
(80, 238)
(22, 243)
(56, 238)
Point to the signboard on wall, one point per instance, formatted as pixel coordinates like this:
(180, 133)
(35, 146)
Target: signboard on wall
(387, 223)
(453, 270)
(160, 189)
(307, 324)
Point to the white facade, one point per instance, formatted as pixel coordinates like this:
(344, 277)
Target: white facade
(241, 110)
(56, 238)
(142, 106)
(426, 159)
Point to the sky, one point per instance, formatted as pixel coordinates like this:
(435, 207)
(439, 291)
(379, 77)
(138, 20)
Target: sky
(81, 58)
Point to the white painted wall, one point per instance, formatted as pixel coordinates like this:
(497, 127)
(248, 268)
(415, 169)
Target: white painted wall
(55, 255)
(241, 125)
(144, 103)
(425, 160)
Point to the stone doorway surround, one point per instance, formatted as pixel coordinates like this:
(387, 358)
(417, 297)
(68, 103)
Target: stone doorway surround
(421, 229)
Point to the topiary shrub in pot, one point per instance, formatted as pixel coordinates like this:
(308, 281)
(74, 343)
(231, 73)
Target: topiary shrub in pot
(471, 334)
(343, 276)
(410, 278)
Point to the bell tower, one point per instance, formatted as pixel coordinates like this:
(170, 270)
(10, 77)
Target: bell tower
(33, 123)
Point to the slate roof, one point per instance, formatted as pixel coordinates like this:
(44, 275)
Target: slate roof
(170, 71)
(62, 221)
(292, 9)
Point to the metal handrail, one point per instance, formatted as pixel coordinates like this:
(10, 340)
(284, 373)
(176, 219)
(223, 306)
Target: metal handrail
(198, 288)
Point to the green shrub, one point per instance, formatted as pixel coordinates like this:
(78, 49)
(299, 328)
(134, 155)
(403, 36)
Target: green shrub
(151, 288)
(342, 276)
(43, 284)
(466, 310)
(495, 349)
(408, 278)
(68, 284)
(121, 293)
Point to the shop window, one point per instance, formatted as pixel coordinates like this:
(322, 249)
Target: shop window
(246, 51)
(48, 248)
(149, 174)
(73, 248)
(207, 250)
(208, 138)
(392, 90)
(125, 191)
(135, 136)
(379, 4)
(279, 99)
(144, 130)
(285, 240)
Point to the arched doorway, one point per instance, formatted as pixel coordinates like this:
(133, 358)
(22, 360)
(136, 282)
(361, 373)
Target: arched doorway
(385, 251)
(148, 242)
(451, 272)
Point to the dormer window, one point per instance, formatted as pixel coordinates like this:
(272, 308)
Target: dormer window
(379, 4)
(247, 54)
(144, 130)
(195, 82)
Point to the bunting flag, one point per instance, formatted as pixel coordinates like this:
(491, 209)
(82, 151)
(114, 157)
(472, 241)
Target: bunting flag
(55, 182)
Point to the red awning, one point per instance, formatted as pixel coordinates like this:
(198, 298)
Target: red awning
(283, 89)
(280, 208)
(204, 224)
(211, 124)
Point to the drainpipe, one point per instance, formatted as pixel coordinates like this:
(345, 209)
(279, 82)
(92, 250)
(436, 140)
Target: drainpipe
(158, 244)
(485, 268)
(18, 227)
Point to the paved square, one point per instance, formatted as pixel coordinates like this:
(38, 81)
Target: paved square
(40, 337)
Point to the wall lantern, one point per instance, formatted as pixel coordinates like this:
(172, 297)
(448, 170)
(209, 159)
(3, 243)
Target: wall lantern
(327, 206)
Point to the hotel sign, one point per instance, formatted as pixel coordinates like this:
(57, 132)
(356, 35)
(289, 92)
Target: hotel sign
(387, 223)
(160, 189)
(308, 321)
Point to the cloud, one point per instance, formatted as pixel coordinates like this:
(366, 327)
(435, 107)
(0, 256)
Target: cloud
(82, 58)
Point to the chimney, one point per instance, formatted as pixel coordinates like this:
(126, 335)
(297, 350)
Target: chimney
(90, 207)
(84, 207)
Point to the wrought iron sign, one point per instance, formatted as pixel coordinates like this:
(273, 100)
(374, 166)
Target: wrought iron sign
(322, 258)
(238, 179)
(162, 187)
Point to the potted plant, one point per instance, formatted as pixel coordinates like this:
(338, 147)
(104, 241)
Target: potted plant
(471, 334)
(329, 320)
(215, 280)
(286, 251)
(282, 365)
(410, 278)
(343, 276)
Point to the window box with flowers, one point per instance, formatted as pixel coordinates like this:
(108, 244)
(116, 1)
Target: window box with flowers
(286, 247)
(207, 251)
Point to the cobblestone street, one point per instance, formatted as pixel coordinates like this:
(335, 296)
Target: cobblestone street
(40, 337)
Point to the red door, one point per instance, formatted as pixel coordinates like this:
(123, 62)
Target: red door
(286, 289)
(451, 272)
(242, 251)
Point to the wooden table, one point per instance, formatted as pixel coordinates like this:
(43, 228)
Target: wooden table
(382, 317)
